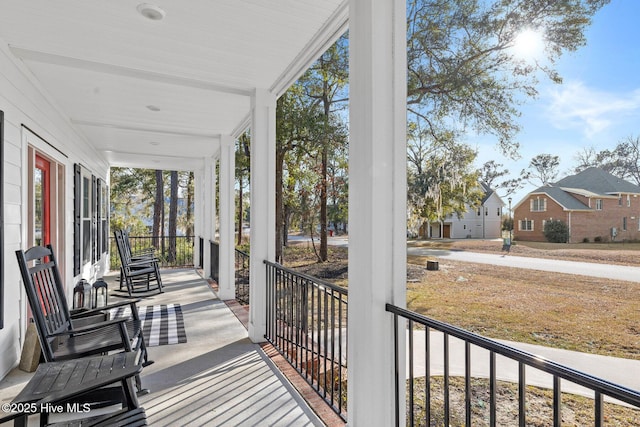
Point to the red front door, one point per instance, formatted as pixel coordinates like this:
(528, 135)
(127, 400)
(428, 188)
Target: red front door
(42, 211)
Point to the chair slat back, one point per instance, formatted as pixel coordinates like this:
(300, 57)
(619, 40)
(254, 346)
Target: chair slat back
(125, 257)
(45, 292)
(126, 244)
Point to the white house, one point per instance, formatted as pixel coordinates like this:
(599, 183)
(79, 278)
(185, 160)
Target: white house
(481, 222)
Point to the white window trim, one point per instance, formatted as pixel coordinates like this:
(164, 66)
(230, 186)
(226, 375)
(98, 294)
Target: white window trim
(525, 221)
(538, 201)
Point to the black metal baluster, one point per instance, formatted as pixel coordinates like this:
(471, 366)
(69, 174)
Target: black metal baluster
(492, 389)
(325, 340)
(557, 402)
(598, 415)
(522, 387)
(333, 344)
(396, 367)
(447, 408)
(411, 382)
(467, 382)
(427, 375)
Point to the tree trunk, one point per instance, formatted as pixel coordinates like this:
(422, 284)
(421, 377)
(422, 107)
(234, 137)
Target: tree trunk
(279, 202)
(173, 216)
(158, 208)
(189, 230)
(288, 213)
(323, 176)
(323, 205)
(240, 206)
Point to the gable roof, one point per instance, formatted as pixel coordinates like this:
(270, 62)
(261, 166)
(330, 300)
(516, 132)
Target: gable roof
(487, 192)
(562, 197)
(596, 180)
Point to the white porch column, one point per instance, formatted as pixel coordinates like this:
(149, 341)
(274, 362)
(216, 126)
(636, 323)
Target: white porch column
(198, 177)
(263, 211)
(377, 205)
(226, 285)
(209, 211)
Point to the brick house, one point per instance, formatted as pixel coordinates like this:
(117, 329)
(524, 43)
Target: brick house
(593, 203)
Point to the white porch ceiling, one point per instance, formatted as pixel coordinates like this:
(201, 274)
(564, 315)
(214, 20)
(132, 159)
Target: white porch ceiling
(105, 66)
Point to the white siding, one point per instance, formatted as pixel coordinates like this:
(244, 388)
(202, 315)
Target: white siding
(487, 225)
(25, 104)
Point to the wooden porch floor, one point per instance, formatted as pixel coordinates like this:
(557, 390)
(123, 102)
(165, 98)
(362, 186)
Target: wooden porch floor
(218, 377)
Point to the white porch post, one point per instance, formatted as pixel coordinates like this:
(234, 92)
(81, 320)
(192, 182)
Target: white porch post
(198, 176)
(263, 212)
(377, 205)
(209, 211)
(226, 285)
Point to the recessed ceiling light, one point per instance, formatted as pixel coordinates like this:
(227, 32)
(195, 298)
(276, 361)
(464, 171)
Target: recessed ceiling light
(151, 11)
(153, 108)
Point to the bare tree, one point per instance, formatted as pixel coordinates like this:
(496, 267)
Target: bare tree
(542, 169)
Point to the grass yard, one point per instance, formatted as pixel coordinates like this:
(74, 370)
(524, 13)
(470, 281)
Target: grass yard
(579, 313)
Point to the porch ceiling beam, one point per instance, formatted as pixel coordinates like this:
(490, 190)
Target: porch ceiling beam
(160, 157)
(118, 70)
(165, 131)
(333, 28)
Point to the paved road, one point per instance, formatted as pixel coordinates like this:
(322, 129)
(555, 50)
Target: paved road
(607, 271)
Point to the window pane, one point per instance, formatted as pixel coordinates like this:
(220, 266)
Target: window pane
(86, 240)
(85, 198)
(39, 198)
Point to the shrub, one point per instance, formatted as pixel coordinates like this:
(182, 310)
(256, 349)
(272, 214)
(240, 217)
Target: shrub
(585, 240)
(556, 231)
(597, 239)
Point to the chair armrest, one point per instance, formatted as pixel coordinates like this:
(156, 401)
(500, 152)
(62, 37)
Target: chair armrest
(80, 321)
(121, 303)
(143, 254)
(140, 258)
(13, 415)
(142, 263)
(89, 328)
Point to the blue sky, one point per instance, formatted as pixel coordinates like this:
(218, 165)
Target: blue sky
(598, 104)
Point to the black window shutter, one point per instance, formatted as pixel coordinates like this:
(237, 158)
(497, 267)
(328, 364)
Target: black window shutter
(99, 236)
(105, 228)
(94, 218)
(77, 212)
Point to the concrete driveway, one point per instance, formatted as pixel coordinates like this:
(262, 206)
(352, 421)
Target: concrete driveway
(606, 271)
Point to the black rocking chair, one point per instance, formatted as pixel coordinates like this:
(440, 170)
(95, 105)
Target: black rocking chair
(61, 337)
(135, 271)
